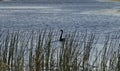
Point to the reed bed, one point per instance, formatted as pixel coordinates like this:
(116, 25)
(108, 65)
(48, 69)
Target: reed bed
(42, 51)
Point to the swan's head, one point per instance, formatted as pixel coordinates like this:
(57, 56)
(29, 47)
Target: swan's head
(61, 30)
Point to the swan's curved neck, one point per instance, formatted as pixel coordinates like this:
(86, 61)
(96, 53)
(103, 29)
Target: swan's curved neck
(61, 35)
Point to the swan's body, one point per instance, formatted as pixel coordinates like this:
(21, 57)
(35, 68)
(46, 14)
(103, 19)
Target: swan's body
(61, 39)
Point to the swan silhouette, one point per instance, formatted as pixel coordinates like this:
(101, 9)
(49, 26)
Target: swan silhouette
(61, 39)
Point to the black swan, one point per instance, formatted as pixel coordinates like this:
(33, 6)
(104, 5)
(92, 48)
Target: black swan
(61, 39)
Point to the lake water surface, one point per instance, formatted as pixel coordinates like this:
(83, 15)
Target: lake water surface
(97, 17)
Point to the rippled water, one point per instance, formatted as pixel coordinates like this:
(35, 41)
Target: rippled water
(93, 17)
(79, 16)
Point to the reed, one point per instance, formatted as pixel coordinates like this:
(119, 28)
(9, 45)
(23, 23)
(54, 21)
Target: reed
(36, 51)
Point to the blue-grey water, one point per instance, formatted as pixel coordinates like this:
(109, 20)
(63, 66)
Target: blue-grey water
(95, 17)
(67, 16)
